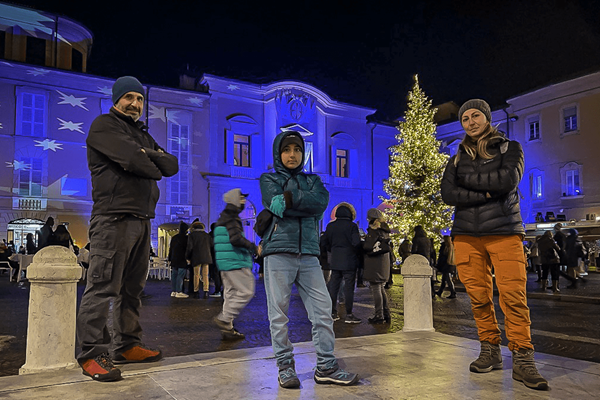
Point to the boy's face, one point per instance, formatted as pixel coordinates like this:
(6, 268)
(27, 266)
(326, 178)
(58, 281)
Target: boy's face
(291, 156)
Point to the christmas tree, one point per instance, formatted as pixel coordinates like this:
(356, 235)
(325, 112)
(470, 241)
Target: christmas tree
(416, 170)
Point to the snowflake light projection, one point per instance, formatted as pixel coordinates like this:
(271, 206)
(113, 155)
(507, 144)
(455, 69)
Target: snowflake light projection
(70, 125)
(17, 165)
(49, 145)
(72, 100)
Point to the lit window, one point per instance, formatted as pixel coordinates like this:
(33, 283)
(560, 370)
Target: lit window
(536, 185)
(179, 146)
(308, 157)
(29, 177)
(534, 128)
(179, 187)
(241, 150)
(570, 118)
(572, 182)
(31, 114)
(179, 136)
(341, 162)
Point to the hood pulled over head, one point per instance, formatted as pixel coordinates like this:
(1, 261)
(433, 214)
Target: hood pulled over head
(278, 144)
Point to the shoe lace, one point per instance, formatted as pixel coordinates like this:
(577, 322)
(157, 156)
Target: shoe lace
(341, 374)
(105, 360)
(486, 351)
(526, 363)
(289, 372)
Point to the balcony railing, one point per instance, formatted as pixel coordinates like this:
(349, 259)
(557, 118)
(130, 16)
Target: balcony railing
(29, 203)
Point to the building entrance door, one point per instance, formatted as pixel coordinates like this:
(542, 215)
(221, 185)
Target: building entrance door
(19, 228)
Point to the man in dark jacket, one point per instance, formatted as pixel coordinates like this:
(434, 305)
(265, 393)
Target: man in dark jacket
(177, 258)
(291, 251)
(46, 234)
(233, 253)
(125, 163)
(198, 255)
(342, 239)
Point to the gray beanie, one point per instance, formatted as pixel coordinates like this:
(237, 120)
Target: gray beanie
(126, 84)
(234, 196)
(478, 104)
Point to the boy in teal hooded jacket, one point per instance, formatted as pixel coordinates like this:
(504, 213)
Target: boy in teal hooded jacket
(291, 249)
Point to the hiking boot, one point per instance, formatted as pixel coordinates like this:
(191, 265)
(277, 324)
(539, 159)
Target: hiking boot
(181, 295)
(524, 370)
(336, 376)
(233, 334)
(138, 354)
(351, 319)
(100, 368)
(335, 317)
(489, 358)
(287, 375)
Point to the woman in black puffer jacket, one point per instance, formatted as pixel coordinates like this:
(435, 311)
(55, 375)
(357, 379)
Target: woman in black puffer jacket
(481, 181)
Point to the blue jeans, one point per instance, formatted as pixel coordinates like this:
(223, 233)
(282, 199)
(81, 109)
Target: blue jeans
(177, 276)
(281, 271)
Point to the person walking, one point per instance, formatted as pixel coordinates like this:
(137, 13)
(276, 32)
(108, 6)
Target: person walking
(377, 260)
(549, 255)
(233, 253)
(422, 245)
(198, 254)
(212, 268)
(445, 264)
(46, 234)
(291, 249)
(342, 239)
(575, 250)
(177, 259)
(30, 244)
(481, 181)
(125, 163)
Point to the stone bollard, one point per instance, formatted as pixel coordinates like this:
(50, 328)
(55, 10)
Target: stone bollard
(418, 313)
(53, 274)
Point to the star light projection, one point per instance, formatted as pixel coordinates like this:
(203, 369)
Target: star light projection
(49, 145)
(38, 71)
(233, 88)
(72, 100)
(70, 125)
(17, 165)
(163, 114)
(195, 100)
(105, 90)
(33, 22)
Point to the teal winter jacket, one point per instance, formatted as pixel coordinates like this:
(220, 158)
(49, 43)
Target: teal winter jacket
(228, 256)
(297, 230)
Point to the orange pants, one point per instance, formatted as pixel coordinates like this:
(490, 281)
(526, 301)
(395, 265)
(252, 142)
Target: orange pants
(474, 259)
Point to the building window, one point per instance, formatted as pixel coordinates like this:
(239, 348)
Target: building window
(570, 119)
(29, 177)
(571, 180)
(241, 151)
(534, 128)
(35, 51)
(536, 185)
(308, 157)
(32, 112)
(572, 183)
(179, 146)
(341, 162)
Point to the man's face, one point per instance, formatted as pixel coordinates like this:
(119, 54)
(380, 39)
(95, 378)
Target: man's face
(474, 122)
(132, 104)
(291, 156)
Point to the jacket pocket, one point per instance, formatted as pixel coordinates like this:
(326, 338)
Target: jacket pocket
(101, 265)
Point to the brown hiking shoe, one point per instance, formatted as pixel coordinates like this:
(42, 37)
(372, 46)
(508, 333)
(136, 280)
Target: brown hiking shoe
(524, 370)
(489, 358)
(138, 354)
(100, 368)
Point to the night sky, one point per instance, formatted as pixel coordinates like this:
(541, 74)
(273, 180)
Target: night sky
(360, 52)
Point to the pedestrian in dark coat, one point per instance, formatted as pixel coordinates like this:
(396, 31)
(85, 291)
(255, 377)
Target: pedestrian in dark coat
(30, 246)
(422, 245)
(549, 252)
(445, 264)
(575, 250)
(199, 256)
(342, 239)
(377, 266)
(62, 237)
(178, 261)
(212, 269)
(46, 234)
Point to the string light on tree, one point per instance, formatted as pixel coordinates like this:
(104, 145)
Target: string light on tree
(416, 170)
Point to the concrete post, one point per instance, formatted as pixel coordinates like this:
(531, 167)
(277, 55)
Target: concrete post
(53, 274)
(418, 313)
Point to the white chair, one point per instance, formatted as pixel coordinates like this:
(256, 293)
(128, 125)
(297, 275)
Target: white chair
(5, 266)
(24, 261)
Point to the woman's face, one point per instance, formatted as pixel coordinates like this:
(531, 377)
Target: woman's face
(474, 122)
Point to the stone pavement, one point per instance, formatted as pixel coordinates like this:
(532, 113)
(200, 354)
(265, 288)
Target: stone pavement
(392, 366)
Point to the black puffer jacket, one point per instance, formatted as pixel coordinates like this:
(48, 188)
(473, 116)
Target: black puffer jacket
(465, 187)
(123, 176)
(342, 239)
(545, 245)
